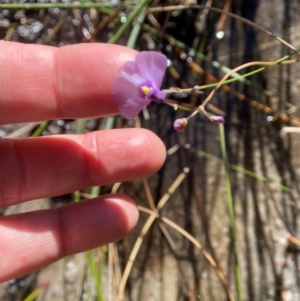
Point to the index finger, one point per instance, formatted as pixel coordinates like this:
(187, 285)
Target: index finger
(42, 82)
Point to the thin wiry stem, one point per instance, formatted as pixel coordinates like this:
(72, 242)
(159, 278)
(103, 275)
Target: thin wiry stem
(236, 77)
(282, 61)
(267, 64)
(221, 11)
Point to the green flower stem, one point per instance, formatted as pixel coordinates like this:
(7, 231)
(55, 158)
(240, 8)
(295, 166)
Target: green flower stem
(238, 281)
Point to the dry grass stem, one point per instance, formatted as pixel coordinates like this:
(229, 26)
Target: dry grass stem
(144, 230)
(195, 243)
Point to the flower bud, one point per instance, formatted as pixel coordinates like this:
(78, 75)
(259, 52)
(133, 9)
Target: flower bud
(180, 124)
(217, 119)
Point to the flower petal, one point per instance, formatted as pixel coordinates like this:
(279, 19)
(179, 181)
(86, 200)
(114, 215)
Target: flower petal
(125, 96)
(129, 68)
(152, 66)
(139, 83)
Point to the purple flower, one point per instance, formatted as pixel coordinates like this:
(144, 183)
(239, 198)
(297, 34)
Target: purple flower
(139, 82)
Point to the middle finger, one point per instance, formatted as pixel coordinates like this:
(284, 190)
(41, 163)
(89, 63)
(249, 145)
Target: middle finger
(32, 168)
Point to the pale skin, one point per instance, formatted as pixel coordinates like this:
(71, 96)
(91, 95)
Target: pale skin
(43, 83)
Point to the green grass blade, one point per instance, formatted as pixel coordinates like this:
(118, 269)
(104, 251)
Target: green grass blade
(97, 275)
(105, 8)
(34, 294)
(244, 171)
(80, 126)
(114, 39)
(38, 132)
(231, 215)
(136, 29)
(79, 130)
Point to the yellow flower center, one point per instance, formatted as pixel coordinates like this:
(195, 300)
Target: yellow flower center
(145, 90)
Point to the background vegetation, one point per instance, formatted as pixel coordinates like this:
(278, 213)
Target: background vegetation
(220, 220)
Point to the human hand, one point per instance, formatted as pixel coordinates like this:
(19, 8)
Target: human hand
(42, 83)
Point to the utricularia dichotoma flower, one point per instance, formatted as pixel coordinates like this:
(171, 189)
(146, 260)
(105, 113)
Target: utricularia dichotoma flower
(139, 82)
